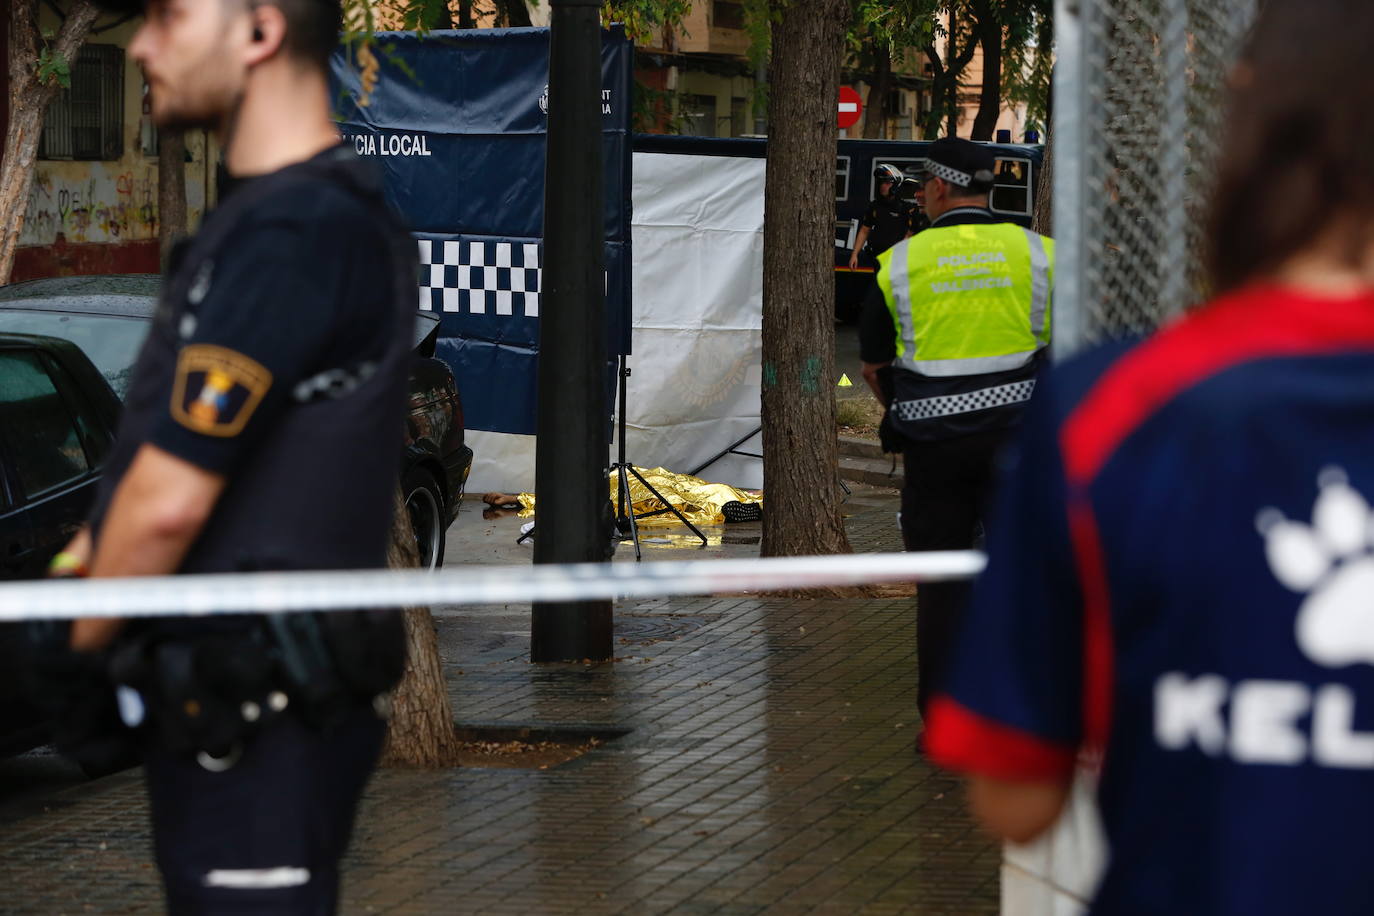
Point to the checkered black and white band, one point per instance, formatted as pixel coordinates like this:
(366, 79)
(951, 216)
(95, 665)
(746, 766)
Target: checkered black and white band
(948, 405)
(952, 175)
(480, 277)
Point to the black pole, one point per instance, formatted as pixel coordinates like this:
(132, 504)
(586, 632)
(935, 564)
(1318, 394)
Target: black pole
(574, 523)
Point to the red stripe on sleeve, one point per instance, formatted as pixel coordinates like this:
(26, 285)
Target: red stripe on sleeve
(958, 738)
(1256, 323)
(1097, 623)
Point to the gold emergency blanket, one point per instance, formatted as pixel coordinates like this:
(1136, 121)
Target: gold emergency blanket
(695, 498)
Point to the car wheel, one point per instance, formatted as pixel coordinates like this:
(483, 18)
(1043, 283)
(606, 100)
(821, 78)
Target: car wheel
(426, 508)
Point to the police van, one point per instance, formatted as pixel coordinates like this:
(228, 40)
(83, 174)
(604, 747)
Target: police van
(1017, 176)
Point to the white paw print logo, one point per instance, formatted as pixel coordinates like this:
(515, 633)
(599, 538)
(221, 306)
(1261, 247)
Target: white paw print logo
(1332, 560)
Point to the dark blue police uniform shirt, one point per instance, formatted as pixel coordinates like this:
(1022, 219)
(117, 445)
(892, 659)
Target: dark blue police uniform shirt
(299, 288)
(1181, 589)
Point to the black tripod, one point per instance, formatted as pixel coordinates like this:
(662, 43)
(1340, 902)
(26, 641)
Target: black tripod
(625, 518)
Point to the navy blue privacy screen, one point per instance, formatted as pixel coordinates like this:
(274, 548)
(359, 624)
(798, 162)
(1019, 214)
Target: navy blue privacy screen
(457, 124)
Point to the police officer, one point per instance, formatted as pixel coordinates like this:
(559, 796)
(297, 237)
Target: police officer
(261, 431)
(888, 219)
(951, 340)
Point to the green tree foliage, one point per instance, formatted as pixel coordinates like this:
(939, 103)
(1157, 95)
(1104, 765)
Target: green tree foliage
(1029, 58)
(943, 36)
(1026, 33)
(646, 20)
(884, 34)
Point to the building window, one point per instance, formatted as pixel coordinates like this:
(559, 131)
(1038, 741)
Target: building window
(739, 117)
(699, 115)
(87, 120)
(727, 15)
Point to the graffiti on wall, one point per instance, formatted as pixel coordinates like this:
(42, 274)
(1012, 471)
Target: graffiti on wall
(96, 202)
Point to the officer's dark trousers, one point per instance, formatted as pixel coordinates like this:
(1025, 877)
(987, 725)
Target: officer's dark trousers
(265, 836)
(947, 485)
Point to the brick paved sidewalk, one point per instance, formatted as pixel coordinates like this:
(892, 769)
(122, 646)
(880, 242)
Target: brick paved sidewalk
(767, 766)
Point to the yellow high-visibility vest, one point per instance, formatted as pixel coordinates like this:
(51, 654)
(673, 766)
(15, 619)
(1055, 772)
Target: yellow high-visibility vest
(969, 299)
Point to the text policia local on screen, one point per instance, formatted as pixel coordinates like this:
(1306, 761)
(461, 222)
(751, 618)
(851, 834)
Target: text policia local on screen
(390, 144)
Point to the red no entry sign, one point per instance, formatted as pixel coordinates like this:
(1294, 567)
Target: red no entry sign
(851, 107)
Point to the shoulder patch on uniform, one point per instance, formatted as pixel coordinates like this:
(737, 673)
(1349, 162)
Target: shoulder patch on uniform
(217, 389)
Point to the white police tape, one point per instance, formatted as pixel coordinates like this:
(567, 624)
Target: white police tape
(279, 592)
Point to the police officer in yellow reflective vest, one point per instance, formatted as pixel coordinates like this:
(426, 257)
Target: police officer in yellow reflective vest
(951, 340)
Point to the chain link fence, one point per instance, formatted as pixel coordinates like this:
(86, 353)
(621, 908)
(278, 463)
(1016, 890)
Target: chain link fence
(1139, 109)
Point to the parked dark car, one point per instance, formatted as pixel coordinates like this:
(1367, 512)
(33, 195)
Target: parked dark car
(57, 421)
(108, 317)
(67, 348)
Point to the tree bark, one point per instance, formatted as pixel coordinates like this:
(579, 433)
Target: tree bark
(466, 19)
(29, 98)
(944, 87)
(514, 13)
(990, 97)
(952, 81)
(171, 190)
(875, 116)
(800, 464)
(421, 733)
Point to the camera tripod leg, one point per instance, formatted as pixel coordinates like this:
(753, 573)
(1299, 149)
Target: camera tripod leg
(680, 517)
(625, 516)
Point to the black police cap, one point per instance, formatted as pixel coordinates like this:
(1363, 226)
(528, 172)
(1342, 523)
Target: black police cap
(961, 162)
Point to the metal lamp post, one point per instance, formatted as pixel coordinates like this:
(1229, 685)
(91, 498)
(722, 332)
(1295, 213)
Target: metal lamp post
(574, 522)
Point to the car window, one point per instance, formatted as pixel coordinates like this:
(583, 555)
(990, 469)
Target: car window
(1011, 194)
(43, 443)
(841, 178)
(94, 435)
(110, 342)
(6, 502)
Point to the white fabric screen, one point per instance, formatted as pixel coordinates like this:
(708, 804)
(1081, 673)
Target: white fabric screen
(698, 308)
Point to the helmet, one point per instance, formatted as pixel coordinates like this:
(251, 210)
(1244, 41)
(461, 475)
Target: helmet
(885, 172)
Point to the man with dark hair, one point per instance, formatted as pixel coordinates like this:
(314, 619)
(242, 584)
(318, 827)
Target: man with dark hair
(951, 340)
(283, 331)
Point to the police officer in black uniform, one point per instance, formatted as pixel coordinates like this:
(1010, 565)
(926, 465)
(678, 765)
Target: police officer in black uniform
(888, 219)
(261, 431)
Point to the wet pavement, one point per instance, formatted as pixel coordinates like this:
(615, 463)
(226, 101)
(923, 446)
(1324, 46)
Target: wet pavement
(756, 756)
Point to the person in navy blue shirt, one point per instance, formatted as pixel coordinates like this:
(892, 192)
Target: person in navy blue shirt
(1180, 590)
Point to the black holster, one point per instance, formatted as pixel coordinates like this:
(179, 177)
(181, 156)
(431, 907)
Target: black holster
(213, 691)
(888, 435)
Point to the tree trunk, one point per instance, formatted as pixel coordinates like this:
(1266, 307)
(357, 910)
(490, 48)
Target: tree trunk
(875, 116)
(29, 100)
(952, 83)
(952, 107)
(930, 121)
(171, 190)
(421, 733)
(514, 13)
(990, 98)
(800, 464)
(466, 19)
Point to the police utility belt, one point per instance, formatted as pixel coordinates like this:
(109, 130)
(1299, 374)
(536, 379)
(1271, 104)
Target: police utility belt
(209, 692)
